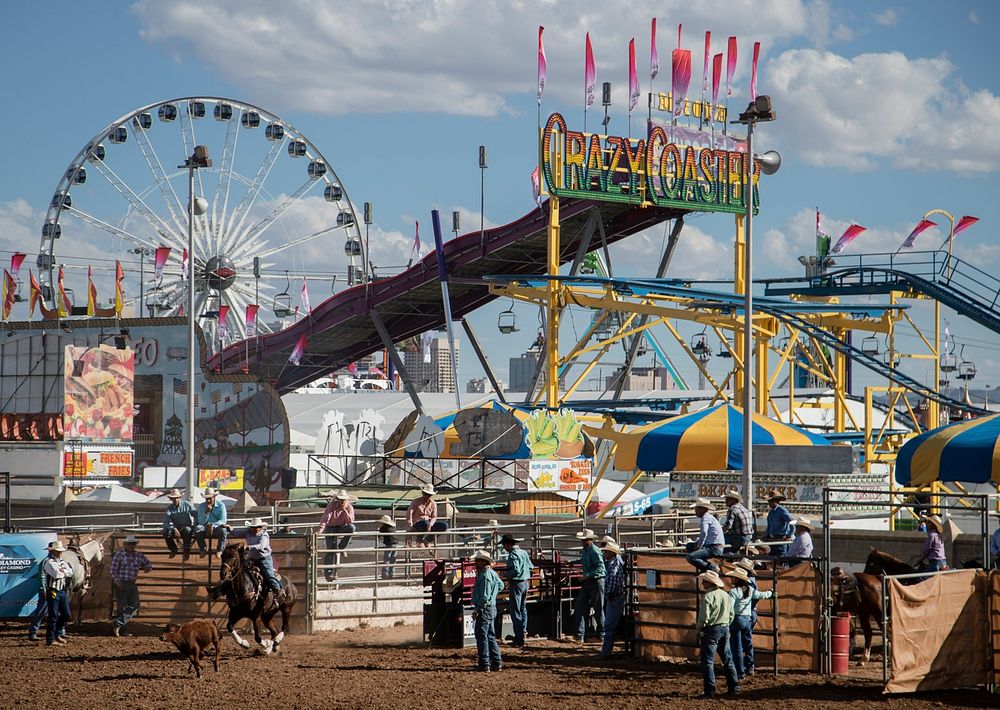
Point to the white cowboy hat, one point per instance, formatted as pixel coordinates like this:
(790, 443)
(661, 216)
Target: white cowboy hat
(733, 494)
(342, 494)
(174, 493)
(704, 503)
(586, 534)
(211, 492)
(612, 547)
(493, 524)
(712, 577)
(605, 540)
(803, 523)
(738, 573)
(483, 555)
(428, 490)
(57, 546)
(256, 523)
(746, 565)
(452, 581)
(386, 520)
(130, 540)
(759, 548)
(935, 521)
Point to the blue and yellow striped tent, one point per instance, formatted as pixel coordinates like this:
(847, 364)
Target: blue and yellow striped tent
(968, 452)
(707, 440)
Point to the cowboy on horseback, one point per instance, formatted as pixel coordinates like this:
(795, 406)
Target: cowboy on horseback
(258, 544)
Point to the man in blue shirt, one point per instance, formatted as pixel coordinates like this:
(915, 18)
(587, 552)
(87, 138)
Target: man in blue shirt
(178, 523)
(995, 548)
(779, 523)
(710, 538)
(518, 572)
(484, 601)
(212, 518)
(614, 596)
(591, 594)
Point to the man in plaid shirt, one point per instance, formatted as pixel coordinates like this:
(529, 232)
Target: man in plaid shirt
(125, 566)
(614, 596)
(737, 527)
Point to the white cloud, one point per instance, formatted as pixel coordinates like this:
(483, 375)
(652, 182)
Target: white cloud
(465, 57)
(973, 17)
(886, 18)
(698, 255)
(860, 112)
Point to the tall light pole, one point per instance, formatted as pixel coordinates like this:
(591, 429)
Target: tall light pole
(482, 198)
(759, 110)
(198, 159)
(142, 252)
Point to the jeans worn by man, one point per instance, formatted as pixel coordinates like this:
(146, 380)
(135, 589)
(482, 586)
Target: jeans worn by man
(591, 595)
(715, 639)
(58, 615)
(127, 604)
(700, 557)
(614, 609)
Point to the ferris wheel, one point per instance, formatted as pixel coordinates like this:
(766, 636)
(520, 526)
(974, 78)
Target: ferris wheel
(266, 211)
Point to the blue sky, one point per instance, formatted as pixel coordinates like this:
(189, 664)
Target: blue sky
(885, 110)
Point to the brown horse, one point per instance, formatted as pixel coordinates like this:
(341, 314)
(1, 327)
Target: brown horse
(860, 594)
(881, 563)
(249, 597)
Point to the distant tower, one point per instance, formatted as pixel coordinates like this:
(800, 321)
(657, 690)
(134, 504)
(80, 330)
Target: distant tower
(173, 436)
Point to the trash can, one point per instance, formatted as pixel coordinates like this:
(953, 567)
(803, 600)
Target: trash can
(840, 636)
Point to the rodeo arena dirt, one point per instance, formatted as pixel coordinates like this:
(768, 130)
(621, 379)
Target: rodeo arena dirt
(376, 630)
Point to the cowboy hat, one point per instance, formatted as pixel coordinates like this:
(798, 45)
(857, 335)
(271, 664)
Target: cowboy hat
(586, 534)
(386, 520)
(759, 548)
(509, 538)
(483, 555)
(612, 546)
(605, 540)
(57, 546)
(733, 494)
(452, 581)
(935, 521)
(738, 573)
(174, 493)
(773, 494)
(211, 492)
(803, 523)
(342, 494)
(428, 490)
(712, 577)
(747, 565)
(704, 503)
(130, 540)
(256, 523)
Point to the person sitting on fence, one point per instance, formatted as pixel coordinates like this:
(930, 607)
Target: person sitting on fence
(518, 573)
(178, 523)
(387, 529)
(802, 546)
(212, 518)
(421, 516)
(744, 594)
(58, 576)
(337, 518)
(484, 601)
(259, 552)
(710, 539)
(779, 522)
(737, 526)
(748, 658)
(125, 566)
(715, 615)
(614, 596)
(591, 594)
(995, 548)
(932, 557)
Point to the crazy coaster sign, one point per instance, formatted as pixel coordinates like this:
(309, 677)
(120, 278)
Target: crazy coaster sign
(665, 169)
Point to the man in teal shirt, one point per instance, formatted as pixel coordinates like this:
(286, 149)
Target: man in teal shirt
(484, 601)
(591, 592)
(518, 574)
(212, 518)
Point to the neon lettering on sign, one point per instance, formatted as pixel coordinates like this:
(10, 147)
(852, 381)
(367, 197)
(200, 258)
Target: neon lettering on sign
(644, 171)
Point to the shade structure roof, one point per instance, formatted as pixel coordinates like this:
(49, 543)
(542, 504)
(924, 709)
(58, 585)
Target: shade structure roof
(966, 452)
(707, 440)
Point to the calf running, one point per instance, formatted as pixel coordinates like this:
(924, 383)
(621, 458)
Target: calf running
(192, 639)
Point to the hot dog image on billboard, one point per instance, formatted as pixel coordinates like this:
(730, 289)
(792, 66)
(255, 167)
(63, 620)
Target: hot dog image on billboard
(98, 393)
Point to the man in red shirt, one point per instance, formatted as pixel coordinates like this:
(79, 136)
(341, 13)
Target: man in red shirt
(421, 516)
(337, 518)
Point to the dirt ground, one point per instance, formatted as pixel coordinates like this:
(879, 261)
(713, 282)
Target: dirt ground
(389, 668)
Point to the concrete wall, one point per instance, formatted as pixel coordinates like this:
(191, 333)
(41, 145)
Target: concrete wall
(339, 609)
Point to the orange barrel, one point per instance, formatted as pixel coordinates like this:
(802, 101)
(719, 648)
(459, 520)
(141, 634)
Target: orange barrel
(840, 632)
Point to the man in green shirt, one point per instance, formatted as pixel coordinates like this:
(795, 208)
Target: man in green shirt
(518, 573)
(591, 594)
(484, 601)
(715, 614)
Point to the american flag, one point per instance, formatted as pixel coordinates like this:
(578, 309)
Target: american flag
(180, 386)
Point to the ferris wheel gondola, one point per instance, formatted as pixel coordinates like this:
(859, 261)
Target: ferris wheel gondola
(132, 194)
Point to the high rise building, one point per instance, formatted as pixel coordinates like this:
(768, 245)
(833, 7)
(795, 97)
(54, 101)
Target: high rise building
(521, 370)
(429, 367)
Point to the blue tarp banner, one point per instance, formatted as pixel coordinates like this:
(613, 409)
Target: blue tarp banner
(21, 557)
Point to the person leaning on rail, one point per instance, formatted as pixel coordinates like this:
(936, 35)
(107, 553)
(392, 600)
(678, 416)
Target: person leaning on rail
(178, 523)
(710, 538)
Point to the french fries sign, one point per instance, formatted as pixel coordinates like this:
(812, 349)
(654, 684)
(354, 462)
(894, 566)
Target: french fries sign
(97, 463)
(559, 475)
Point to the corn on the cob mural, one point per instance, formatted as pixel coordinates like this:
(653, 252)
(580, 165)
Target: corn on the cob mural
(556, 435)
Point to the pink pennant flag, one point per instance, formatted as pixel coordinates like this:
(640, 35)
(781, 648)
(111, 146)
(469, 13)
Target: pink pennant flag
(922, 226)
(730, 65)
(536, 188)
(849, 235)
(251, 319)
(184, 265)
(681, 77)
(298, 351)
(160, 260)
(16, 259)
(753, 71)
(223, 322)
(353, 368)
(304, 297)
(963, 224)
(708, 55)
(542, 65)
(716, 77)
(376, 371)
(633, 77)
(590, 73)
(654, 56)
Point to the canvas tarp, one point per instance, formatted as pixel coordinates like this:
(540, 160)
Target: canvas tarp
(938, 635)
(994, 610)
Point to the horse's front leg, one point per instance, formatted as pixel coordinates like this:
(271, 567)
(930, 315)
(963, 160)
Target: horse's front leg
(230, 627)
(866, 627)
(266, 645)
